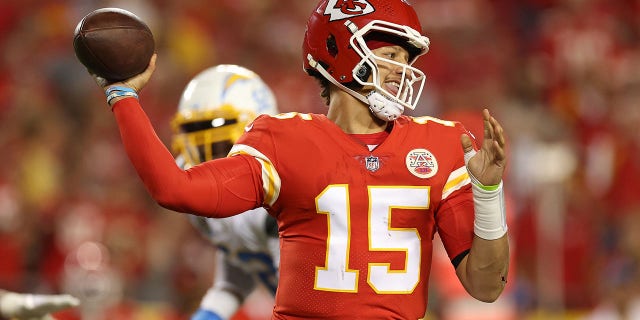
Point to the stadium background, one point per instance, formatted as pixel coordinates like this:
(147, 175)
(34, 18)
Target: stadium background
(563, 76)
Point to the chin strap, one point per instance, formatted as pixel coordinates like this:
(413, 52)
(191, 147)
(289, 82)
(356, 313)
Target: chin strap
(383, 107)
(313, 63)
(380, 105)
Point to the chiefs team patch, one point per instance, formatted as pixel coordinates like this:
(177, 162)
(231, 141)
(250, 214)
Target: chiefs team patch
(421, 163)
(341, 9)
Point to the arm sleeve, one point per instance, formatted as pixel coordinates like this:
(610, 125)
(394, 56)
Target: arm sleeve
(455, 214)
(199, 190)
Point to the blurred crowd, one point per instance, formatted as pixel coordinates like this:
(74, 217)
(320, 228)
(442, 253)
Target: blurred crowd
(563, 77)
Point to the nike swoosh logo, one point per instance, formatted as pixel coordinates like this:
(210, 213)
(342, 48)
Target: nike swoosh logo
(248, 128)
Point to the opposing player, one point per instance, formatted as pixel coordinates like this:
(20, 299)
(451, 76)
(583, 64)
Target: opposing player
(359, 192)
(213, 111)
(27, 306)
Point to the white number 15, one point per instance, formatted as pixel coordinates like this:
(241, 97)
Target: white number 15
(336, 275)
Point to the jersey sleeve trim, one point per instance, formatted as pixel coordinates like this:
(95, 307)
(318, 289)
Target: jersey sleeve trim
(270, 179)
(457, 179)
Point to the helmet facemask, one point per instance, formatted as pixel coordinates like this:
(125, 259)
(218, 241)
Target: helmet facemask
(194, 151)
(208, 135)
(366, 72)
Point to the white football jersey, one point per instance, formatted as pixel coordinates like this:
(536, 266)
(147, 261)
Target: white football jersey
(248, 254)
(243, 237)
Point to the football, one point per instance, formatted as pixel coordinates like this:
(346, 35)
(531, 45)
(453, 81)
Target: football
(113, 43)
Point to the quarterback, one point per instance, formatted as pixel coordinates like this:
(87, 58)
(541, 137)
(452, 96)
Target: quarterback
(358, 192)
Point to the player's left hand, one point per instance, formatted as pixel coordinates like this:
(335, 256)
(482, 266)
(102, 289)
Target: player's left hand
(34, 306)
(487, 164)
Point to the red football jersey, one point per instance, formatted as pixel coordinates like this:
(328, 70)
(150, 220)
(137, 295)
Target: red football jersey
(356, 226)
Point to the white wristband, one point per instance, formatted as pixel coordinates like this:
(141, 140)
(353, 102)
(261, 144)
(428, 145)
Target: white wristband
(490, 221)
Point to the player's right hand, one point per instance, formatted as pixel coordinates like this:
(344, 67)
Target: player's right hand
(34, 306)
(136, 82)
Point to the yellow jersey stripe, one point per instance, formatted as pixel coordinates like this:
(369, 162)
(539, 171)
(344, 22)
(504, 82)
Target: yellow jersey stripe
(457, 179)
(270, 179)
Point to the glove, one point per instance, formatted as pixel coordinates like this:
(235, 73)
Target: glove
(34, 306)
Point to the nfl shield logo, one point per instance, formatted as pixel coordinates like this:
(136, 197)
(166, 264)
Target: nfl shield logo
(373, 164)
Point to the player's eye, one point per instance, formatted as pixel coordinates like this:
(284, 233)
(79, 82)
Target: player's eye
(387, 53)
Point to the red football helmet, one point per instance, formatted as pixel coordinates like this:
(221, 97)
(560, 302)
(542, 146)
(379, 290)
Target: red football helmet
(335, 44)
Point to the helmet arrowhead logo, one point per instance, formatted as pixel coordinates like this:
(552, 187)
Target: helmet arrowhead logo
(343, 9)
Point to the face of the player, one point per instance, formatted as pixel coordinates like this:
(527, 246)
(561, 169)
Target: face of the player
(390, 74)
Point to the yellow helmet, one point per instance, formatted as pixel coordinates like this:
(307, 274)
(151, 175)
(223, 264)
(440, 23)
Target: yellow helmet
(214, 108)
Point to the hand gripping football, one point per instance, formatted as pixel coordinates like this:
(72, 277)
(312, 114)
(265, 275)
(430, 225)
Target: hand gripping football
(113, 43)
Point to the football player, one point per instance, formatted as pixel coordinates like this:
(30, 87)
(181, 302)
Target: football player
(213, 111)
(358, 193)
